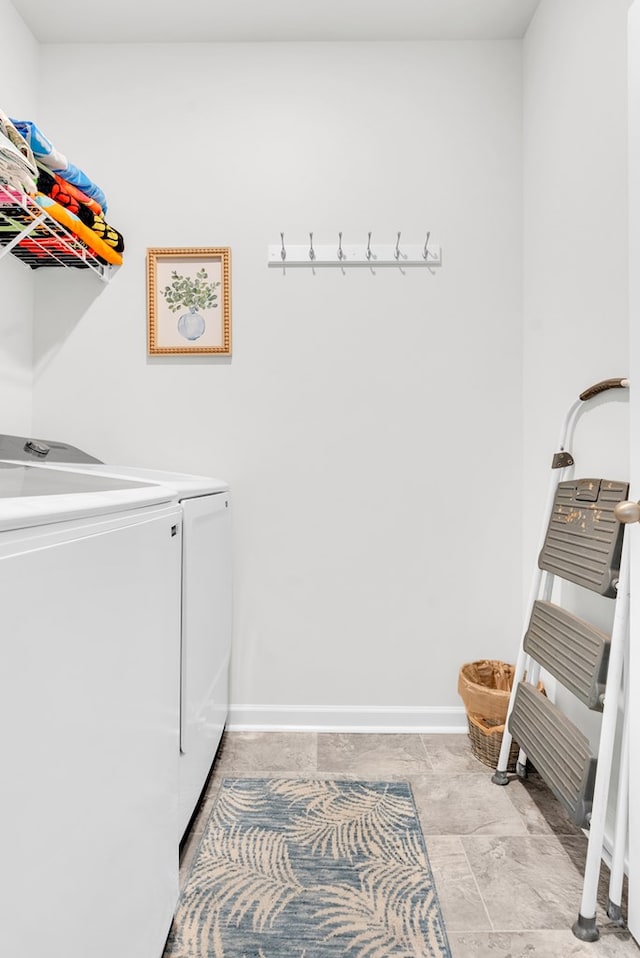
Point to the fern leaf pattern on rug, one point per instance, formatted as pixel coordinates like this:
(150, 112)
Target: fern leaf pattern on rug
(290, 868)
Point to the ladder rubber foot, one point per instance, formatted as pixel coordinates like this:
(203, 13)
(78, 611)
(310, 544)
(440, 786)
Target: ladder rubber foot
(500, 778)
(615, 914)
(585, 929)
(521, 770)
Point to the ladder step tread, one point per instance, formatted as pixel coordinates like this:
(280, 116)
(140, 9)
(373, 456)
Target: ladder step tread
(572, 650)
(557, 748)
(584, 539)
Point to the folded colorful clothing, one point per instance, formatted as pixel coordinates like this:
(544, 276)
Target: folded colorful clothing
(17, 163)
(107, 233)
(73, 192)
(47, 244)
(76, 226)
(52, 158)
(50, 185)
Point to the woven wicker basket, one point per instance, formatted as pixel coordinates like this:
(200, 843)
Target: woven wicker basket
(484, 687)
(486, 741)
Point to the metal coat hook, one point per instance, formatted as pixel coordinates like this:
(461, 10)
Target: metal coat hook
(396, 254)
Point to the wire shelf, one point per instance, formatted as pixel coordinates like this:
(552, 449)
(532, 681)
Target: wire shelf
(29, 233)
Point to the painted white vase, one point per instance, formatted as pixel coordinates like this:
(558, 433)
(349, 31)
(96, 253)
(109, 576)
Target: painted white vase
(191, 325)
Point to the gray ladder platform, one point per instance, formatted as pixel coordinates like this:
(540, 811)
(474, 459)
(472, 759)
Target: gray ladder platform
(557, 749)
(584, 539)
(572, 650)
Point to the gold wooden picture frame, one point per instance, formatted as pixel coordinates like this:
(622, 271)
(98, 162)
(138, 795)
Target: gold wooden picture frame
(189, 301)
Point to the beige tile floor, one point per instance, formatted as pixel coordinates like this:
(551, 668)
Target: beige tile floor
(507, 861)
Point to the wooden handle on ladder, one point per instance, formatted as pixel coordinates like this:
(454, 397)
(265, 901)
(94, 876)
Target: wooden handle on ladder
(602, 387)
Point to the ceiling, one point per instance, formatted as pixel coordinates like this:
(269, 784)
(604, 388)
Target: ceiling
(152, 21)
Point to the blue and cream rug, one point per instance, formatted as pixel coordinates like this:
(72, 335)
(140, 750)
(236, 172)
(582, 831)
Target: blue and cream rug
(310, 869)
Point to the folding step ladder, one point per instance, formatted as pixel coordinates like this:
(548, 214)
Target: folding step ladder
(583, 543)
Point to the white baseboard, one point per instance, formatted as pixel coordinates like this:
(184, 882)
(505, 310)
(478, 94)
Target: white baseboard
(346, 718)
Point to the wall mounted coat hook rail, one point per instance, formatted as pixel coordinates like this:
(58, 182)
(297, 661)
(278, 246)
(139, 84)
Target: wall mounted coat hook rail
(359, 254)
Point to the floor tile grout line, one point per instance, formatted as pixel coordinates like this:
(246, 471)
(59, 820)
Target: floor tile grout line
(432, 767)
(475, 881)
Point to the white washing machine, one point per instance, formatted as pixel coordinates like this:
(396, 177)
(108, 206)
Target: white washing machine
(206, 619)
(89, 704)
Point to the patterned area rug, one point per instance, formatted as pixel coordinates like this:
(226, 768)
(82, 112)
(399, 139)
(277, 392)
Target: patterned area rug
(310, 869)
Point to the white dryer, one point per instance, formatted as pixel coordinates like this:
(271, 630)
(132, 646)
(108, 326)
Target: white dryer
(206, 616)
(89, 567)
(206, 620)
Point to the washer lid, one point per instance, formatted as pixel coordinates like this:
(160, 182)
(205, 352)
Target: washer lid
(30, 495)
(186, 486)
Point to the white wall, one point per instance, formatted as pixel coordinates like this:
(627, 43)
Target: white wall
(575, 303)
(18, 83)
(575, 279)
(356, 137)
(575, 239)
(634, 316)
(370, 425)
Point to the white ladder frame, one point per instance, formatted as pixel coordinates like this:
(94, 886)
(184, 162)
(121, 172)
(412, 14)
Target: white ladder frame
(585, 927)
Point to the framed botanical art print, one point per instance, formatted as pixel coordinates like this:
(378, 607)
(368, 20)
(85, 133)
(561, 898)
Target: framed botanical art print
(189, 301)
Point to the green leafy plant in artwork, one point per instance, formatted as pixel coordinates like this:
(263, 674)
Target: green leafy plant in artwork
(194, 293)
